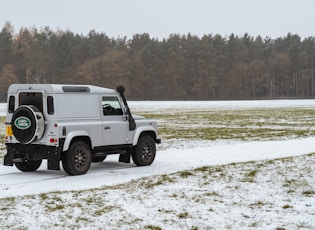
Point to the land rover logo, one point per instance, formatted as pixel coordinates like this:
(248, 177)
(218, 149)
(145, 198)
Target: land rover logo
(22, 123)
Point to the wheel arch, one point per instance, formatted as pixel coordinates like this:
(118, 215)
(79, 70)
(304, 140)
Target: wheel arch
(142, 131)
(76, 136)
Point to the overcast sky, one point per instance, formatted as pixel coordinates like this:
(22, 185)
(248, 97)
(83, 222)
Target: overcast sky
(160, 18)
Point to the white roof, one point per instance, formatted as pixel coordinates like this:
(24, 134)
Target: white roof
(59, 88)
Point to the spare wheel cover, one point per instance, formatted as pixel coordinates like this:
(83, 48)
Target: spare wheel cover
(27, 124)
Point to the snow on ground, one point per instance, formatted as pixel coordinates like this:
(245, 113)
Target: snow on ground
(222, 193)
(158, 106)
(110, 172)
(277, 194)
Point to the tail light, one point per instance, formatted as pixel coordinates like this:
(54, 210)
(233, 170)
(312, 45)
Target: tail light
(53, 140)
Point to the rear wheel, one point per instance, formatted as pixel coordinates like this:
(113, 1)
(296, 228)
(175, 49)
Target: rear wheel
(144, 152)
(28, 166)
(77, 160)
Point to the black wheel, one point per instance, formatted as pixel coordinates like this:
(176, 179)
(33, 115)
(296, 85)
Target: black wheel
(144, 152)
(28, 166)
(27, 124)
(77, 160)
(98, 159)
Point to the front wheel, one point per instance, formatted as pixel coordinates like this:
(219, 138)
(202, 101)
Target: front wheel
(28, 166)
(77, 160)
(144, 152)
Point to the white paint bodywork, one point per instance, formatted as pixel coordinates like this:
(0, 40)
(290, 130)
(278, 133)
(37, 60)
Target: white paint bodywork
(80, 114)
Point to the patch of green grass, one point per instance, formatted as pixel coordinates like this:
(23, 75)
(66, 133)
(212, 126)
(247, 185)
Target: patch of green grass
(308, 192)
(152, 227)
(257, 204)
(252, 173)
(250, 176)
(55, 207)
(150, 183)
(2, 132)
(104, 209)
(211, 194)
(202, 169)
(165, 211)
(304, 225)
(289, 182)
(185, 174)
(7, 203)
(9, 199)
(82, 219)
(183, 215)
(253, 225)
(44, 196)
(90, 200)
(241, 124)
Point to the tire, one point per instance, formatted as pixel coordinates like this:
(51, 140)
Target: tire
(28, 124)
(98, 159)
(28, 166)
(77, 160)
(144, 152)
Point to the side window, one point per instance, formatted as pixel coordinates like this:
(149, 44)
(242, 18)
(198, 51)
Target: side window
(111, 106)
(50, 105)
(11, 105)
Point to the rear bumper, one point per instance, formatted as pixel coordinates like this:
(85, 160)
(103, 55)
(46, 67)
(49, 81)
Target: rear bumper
(23, 152)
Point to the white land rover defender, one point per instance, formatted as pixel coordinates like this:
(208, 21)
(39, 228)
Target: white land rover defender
(75, 124)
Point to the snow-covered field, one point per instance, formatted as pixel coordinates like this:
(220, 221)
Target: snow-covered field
(202, 185)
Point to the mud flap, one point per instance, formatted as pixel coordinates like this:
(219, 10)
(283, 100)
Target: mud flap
(8, 159)
(53, 161)
(124, 158)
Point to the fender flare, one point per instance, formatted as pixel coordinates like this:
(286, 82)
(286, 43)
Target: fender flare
(74, 134)
(141, 130)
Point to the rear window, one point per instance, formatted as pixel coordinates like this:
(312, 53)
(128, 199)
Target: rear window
(33, 98)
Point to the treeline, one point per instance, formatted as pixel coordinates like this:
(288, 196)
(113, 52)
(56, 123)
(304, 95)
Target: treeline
(180, 67)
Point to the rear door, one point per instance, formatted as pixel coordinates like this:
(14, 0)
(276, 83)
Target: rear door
(114, 122)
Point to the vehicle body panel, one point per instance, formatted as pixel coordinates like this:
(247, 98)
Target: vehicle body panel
(98, 116)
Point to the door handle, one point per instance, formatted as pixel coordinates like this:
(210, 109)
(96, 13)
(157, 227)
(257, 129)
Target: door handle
(107, 127)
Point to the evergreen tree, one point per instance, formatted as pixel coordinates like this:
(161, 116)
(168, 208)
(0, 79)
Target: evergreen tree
(179, 67)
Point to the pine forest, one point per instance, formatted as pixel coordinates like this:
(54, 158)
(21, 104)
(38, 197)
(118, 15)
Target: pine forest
(180, 67)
